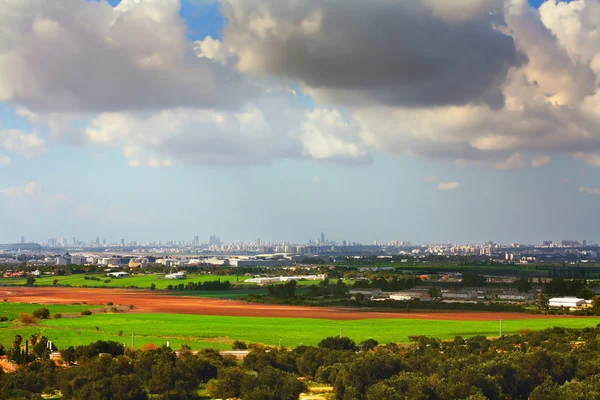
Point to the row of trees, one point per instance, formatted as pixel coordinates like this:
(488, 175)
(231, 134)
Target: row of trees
(551, 364)
(201, 286)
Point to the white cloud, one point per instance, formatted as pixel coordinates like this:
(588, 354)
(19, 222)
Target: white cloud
(540, 161)
(86, 56)
(588, 190)
(493, 83)
(27, 145)
(32, 193)
(431, 179)
(316, 180)
(448, 186)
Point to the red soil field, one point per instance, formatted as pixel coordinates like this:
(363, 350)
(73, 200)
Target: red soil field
(146, 301)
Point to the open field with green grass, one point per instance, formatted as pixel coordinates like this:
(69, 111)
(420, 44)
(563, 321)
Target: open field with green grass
(142, 281)
(12, 310)
(219, 332)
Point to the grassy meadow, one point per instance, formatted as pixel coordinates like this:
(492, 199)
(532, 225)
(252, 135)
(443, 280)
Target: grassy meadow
(142, 281)
(218, 332)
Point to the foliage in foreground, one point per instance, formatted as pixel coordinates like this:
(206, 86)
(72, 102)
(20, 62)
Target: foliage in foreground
(551, 364)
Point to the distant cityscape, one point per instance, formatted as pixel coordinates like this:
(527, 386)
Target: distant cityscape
(514, 252)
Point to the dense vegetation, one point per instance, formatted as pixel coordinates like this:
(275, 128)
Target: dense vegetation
(551, 364)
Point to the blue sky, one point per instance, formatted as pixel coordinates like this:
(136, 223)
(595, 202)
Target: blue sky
(348, 186)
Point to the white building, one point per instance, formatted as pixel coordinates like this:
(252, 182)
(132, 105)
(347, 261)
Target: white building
(176, 275)
(569, 302)
(118, 274)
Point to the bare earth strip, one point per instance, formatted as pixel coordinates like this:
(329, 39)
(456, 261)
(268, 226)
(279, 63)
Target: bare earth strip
(154, 302)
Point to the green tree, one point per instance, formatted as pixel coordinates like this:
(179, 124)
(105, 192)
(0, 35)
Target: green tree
(41, 313)
(30, 280)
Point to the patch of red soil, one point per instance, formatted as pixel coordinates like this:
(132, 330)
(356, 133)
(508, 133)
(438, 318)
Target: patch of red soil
(146, 301)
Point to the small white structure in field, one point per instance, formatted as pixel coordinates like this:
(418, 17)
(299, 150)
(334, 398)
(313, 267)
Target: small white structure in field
(569, 302)
(176, 275)
(118, 274)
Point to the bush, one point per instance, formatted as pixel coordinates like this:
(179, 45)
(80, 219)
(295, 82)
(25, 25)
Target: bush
(113, 310)
(239, 345)
(131, 306)
(27, 318)
(120, 333)
(149, 347)
(86, 312)
(57, 315)
(110, 303)
(337, 343)
(41, 313)
(3, 318)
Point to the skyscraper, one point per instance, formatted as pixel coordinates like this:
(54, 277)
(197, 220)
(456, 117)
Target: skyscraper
(322, 238)
(97, 241)
(196, 241)
(122, 242)
(22, 239)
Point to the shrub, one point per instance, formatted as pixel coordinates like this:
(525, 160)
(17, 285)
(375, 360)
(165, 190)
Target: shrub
(3, 318)
(113, 309)
(239, 345)
(57, 315)
(110, 303)
(120, 333)
(131, 306)
(41, 313)
(27, 318)
(86, 312)
(149, 347)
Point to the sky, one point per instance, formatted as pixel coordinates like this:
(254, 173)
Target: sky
(419, 120)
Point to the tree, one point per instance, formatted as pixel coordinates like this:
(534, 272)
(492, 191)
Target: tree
(337, 343)
(239, 345)
(435, 292)
(368, 344)
(55, 282)
(542, 301)
(41, 313)
(30, 280)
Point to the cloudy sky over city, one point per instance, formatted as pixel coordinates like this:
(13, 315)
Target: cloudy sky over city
(419, 120)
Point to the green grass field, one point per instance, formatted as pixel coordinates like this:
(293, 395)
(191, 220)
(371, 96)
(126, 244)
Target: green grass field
(12, 310)
(140, 281)
(218, 332)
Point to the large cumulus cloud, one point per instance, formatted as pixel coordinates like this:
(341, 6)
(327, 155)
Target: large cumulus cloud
(475, 82)
(86, 56)
(404, 53)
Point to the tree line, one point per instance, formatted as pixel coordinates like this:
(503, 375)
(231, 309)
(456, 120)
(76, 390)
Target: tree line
(551, 364)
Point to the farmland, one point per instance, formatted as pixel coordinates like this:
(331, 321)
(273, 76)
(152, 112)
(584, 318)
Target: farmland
(219, 332)
(141, 281)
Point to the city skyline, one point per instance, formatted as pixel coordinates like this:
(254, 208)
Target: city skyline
(274, 119)
(215, 241)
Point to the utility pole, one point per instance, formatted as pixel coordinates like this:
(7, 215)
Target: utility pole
(500, 327)
(132, 340)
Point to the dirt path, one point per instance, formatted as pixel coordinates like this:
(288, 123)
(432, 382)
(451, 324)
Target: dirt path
(146, 301)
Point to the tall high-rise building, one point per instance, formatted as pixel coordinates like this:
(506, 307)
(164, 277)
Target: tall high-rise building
(122, 242)
(97, 241)
(196, 241)
(214, 241)
(22, 239)
(322, 238)
(74, 241)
